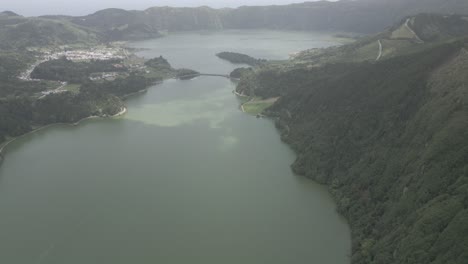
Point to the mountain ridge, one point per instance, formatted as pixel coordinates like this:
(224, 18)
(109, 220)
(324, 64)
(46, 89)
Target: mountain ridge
(114, 24)
(363, 16)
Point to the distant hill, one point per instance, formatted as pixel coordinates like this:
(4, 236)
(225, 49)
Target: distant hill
(158, 18)
(19, 32)
(410, 35)
(8, 13)
(389, 136)
(365, 16)
(361, 16)
(430, 27)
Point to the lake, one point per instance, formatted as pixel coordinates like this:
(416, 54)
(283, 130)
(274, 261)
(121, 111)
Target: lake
(183, 177)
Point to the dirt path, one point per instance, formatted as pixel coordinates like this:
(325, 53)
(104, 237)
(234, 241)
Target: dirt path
(380, 50)
(412, 31)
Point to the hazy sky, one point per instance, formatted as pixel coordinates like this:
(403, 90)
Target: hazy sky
(82, 7)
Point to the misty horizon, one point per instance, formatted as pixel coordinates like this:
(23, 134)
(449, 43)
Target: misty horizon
(85, 7)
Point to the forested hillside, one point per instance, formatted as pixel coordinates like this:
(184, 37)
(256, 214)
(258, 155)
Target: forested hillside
(410, 35)
(24, 106)
(389, 138)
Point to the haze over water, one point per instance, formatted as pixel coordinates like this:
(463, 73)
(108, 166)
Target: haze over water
(184, 177)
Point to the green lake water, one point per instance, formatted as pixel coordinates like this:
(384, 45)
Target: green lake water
(183, 177)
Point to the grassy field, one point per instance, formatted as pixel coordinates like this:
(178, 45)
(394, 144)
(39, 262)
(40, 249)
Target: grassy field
(402, 33)
(243, 99)
(256, 107)
(74, 88)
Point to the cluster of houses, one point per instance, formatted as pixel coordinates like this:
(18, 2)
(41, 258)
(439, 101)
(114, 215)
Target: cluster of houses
(85, 55)
(108, 76)
(101, 53)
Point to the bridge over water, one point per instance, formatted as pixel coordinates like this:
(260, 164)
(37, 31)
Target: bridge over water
(206, 74)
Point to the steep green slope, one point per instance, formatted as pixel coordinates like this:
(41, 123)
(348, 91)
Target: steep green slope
(390, 139)
(411, 35)
(182, 19)
(121, 24)
(430, 27)
(118, 24)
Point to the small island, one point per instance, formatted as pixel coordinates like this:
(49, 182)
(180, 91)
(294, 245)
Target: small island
(239, 58)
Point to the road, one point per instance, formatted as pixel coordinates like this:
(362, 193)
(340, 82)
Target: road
(412, 31)
(380, 50)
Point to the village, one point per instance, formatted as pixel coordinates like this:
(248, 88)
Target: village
(103, 53)
(99, 53)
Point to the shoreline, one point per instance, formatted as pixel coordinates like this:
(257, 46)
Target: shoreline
(4, 145)
(135, 93)
(121, 113)
(26, 75)
(240, 95)
(243, 96)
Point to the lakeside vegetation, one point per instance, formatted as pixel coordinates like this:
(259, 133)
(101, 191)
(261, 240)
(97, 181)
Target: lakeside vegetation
(22, 108)
(239, 72)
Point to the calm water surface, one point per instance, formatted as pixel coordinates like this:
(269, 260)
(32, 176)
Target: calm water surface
(183, 177)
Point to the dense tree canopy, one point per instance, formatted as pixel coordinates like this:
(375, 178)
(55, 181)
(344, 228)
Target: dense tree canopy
(74, 72)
